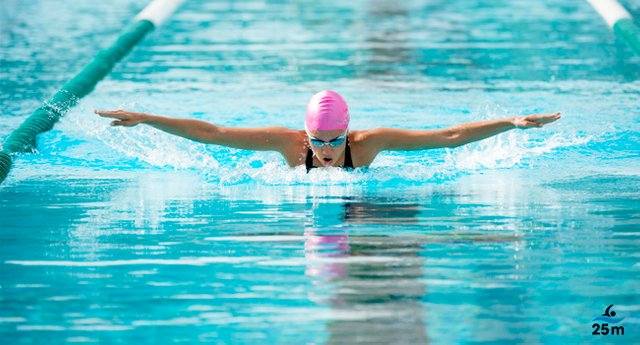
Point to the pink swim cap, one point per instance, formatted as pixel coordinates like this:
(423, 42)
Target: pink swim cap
(327, 110)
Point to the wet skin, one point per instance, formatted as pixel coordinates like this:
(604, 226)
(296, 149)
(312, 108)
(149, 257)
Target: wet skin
(327, 155)
(294, 144)
(362, 151)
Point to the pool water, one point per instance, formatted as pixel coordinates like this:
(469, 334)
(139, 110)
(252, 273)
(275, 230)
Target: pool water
(121, 235)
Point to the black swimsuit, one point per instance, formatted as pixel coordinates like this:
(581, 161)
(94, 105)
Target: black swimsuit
(347, 158)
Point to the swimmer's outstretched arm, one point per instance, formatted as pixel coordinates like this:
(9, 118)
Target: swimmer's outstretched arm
(259, 139)
(401, 139)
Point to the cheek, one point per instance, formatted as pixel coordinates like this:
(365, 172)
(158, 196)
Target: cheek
(337, 151)
(317, 151)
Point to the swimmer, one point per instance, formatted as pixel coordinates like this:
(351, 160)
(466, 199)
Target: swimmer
(327, 140)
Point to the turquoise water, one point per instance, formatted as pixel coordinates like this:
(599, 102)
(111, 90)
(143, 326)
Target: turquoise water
(128, 234)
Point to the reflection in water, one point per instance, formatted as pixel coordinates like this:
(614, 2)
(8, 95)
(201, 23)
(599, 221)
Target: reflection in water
(380, 213)
(319, 245)
(377, 285)
(387, 44)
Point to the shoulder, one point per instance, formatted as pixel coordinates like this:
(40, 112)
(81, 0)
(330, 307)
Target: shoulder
(292, 139)
(369, 138)
(295, 146)
(364, 146)
(359, 136)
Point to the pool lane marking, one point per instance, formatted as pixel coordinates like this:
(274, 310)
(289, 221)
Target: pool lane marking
(619, 20)
(23, 139)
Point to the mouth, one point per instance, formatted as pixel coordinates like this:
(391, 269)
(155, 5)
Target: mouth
(327, 161)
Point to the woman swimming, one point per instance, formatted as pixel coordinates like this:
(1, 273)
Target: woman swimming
(326, 140)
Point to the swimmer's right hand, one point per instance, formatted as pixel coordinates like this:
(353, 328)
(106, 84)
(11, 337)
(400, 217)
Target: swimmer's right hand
(123, 117)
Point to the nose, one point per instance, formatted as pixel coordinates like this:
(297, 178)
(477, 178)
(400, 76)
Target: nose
(326, 149)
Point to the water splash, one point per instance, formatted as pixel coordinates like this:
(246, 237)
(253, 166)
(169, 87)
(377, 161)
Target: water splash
(224, 166)
(143, 142)
(509, 149)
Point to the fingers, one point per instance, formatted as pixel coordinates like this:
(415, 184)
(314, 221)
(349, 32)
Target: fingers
(545, 118)
(555, 116)
(116, 114)
(552, 117)
(539, 120)
(107, 112)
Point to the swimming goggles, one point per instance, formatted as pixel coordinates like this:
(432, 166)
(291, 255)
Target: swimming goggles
(333, 142)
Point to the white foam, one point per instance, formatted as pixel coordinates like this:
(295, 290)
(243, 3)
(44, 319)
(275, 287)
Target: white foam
(508, 150)
(141, 142)
(162, 150)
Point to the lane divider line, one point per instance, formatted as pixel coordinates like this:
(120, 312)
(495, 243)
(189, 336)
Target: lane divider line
(620, 21)
(23, 139)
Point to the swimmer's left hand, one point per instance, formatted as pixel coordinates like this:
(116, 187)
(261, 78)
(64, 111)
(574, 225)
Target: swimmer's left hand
(537, 120)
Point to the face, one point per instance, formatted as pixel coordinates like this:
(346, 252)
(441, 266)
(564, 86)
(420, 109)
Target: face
(327, 154)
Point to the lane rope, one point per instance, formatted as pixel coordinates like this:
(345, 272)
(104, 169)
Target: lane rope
(23, 139)
(620, 21)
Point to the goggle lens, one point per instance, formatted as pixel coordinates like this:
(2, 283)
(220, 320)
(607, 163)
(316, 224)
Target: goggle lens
(333, 143)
